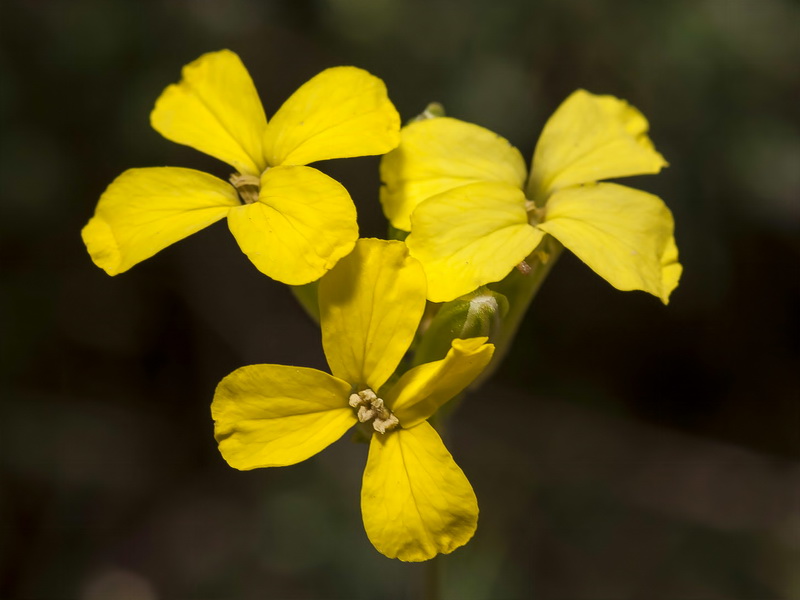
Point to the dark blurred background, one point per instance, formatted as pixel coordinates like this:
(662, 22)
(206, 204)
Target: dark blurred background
(625, 450)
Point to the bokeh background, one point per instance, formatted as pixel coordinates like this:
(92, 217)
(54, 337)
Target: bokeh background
(625, 450)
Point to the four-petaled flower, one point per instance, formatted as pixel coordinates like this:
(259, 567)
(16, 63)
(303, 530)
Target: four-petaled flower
(292, 221)
(415, 500)
(460, 190)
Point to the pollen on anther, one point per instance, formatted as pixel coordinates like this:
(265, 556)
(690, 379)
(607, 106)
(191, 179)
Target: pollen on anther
(372, 408)
(524, 268)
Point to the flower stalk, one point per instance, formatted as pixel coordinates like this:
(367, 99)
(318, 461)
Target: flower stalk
(519, 289)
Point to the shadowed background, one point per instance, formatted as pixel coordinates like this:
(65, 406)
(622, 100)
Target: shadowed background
(624, 450)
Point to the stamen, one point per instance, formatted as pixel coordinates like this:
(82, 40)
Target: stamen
(372, 408)
(524, 268)
(387, 424)
(248, 186)
(536, 215)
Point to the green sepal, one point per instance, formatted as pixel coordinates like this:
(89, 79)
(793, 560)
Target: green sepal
(393, 233)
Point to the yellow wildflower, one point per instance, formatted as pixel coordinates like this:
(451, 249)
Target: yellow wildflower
(292, 221)
(415, 500)
(461, 191)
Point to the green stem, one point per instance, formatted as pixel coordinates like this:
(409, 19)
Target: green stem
(432, 573)
(432, 584)
(520, 290)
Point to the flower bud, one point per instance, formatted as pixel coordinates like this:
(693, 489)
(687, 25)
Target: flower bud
(476, 314)
(433, 110)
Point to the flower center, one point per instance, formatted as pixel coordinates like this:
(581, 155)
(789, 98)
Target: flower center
(535, 214)
(370, 407)
(248, 186)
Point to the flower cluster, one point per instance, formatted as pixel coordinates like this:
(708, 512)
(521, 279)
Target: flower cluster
(470, 212)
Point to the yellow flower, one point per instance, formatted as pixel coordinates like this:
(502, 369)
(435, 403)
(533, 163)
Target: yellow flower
(415, 500)
(292, 221)
(460, 189)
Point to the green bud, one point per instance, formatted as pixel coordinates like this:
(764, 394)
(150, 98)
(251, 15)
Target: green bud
(433, 110)
(477, 314)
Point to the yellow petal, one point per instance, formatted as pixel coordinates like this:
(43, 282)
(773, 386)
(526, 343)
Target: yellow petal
(342, 112)
(620, 232)
(273, 415)
(671, 270)
(370, 307)
(215, 109)
(301, 225)
(590, 138)
(470, 236)
(145, 210)
(415, 500)
(421, 391)
(436, 155)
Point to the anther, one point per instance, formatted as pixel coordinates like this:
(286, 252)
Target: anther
(372, 408)
(536, 215)
(248, 186)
